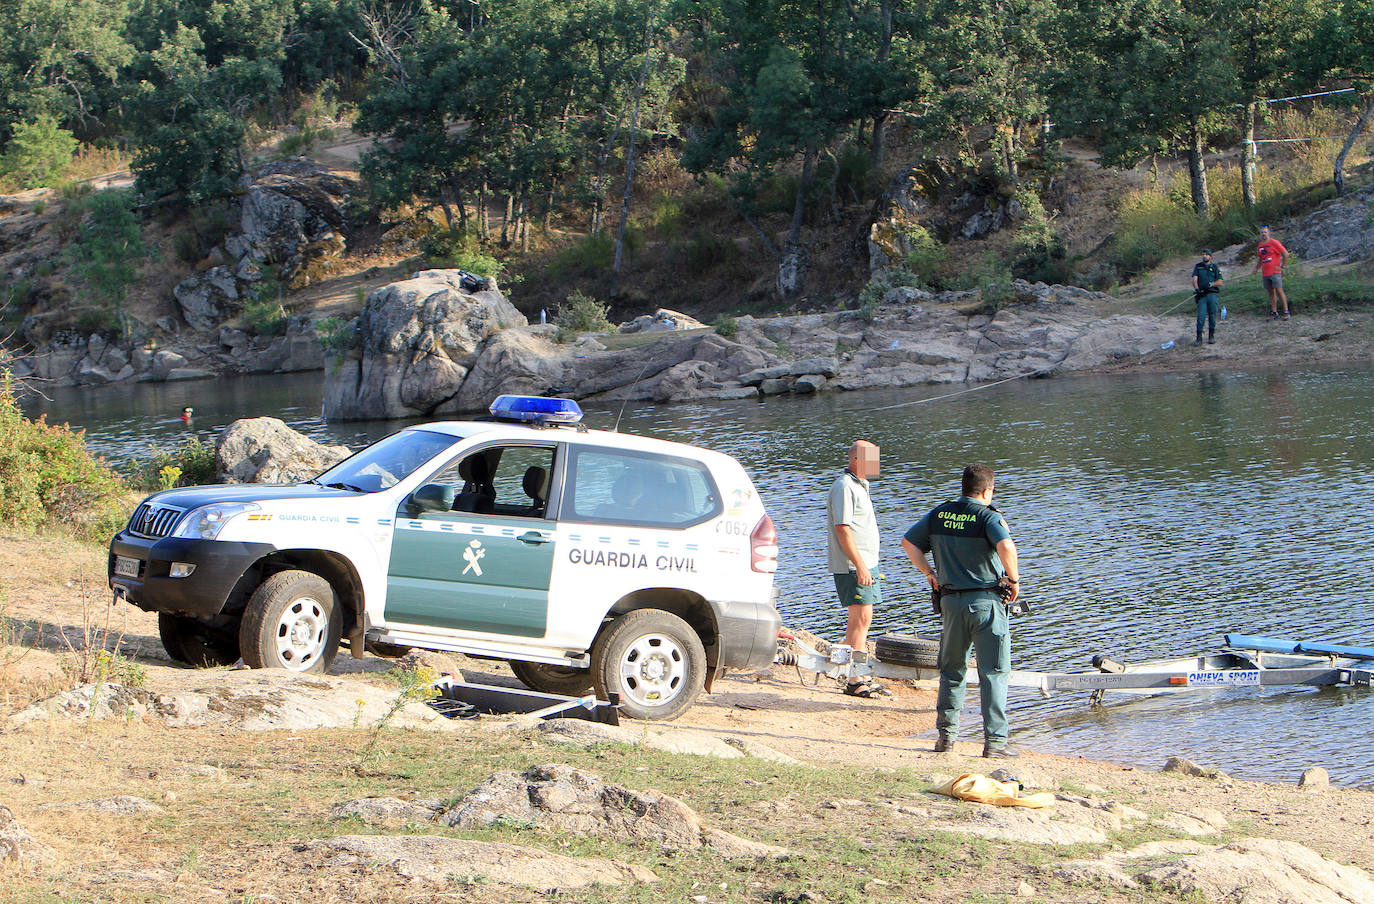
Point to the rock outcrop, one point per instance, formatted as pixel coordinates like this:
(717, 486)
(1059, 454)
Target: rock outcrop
(417, 340)
(1340, 231)
(265, 450)
(570, 800)
(294, 216)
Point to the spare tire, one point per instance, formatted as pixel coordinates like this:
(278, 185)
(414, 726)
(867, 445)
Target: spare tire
(907, 649)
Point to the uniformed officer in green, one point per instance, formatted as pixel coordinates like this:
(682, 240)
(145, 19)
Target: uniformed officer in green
(973, 552)
(1207, 283)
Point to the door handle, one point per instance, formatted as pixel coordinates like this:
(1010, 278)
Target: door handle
(533, 538)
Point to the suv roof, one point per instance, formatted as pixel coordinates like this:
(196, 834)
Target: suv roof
(570, 434)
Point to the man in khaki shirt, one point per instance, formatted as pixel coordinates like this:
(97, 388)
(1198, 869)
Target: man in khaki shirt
(852, 548)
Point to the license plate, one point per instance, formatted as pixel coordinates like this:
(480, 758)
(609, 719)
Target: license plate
(126, 567)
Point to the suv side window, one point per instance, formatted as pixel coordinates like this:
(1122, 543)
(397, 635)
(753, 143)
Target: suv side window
(623, 487)
(501, 480)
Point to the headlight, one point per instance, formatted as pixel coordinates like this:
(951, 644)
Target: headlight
(206, 522)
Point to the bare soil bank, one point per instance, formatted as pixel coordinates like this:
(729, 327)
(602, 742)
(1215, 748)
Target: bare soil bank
(236, 805)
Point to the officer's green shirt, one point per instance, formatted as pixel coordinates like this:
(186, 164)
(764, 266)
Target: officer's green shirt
(1206, 275)
(964, 534)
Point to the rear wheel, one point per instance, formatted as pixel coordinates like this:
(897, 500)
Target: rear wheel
(291, 622)
(198, 643)
(564, 680)
(653, 660)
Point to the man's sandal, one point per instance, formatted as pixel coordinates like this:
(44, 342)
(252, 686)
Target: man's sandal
(867, 689)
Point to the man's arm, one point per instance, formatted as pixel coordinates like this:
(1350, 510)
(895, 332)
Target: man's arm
(918, 558)
(845, 537)
(1195, 285)
(1006, 551)
(1283, 256)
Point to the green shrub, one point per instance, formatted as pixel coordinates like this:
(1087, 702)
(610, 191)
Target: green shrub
(459, 250)
(669, 213)
(106, 244)
(926, 256)
(264, 315)
(871, 296)
(336, 334)
(591, 256)
(190, 464)
(726, 326)
(48, 476)
(582, 314)
(39, 207)
(37, 152)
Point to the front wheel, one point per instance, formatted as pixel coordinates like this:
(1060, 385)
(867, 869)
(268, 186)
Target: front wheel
(291, 622)
(653, 660)
(197, 643)
(564, 680)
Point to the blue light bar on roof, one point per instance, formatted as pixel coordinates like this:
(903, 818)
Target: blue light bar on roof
(536, 409)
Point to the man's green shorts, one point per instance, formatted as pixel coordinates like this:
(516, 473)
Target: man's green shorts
(852, 593)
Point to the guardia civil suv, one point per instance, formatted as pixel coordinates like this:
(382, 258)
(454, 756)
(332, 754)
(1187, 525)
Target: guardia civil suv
(587, 559)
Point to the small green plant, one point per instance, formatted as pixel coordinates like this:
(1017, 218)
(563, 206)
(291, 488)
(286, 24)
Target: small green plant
(190, 464)
(415, 684)
(264, 315)
(872, 294)
(589, 257)
(583, 314)
(726, 326)
(336, 334)
(39, 207)
(106, 244)
(459, 250)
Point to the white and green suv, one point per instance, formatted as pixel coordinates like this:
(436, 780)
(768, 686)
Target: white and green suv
(587, 559)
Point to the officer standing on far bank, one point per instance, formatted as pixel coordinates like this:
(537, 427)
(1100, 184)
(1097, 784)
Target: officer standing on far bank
(978, 577)
(1206, 284)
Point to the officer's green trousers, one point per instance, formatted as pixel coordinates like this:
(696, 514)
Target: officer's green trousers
(974, 619)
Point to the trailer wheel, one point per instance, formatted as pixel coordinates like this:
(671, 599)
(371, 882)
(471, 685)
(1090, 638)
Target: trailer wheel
(907, 649)
(197, 643)
(653, 660)
(291, 622)
(565, 680)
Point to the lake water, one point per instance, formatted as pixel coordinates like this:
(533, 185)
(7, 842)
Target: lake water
(1153, 515)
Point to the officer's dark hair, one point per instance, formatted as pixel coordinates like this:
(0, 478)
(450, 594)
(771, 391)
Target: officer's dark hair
(977, 478)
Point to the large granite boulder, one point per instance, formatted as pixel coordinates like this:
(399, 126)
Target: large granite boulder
(418, 339)
(294, 213)
(265, 450)
(513, 361)
(208, 299)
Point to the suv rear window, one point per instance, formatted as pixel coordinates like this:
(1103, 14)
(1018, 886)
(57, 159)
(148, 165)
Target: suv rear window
(623, 487)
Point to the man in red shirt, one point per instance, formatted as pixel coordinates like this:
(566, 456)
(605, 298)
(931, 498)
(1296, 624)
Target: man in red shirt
(1270, 256)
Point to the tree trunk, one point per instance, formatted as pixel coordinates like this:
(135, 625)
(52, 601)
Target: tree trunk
(630, 155)
(483, 220)
(880, 115)
(1338, 176)
(506, 235)
(1247, 157)
(1009, 151)
(792, 270)
(1197, 174)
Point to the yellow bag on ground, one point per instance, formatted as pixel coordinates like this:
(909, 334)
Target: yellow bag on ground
(979, 788)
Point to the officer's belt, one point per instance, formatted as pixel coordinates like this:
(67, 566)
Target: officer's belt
(948, 589)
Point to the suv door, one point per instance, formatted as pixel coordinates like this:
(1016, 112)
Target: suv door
(484, 565)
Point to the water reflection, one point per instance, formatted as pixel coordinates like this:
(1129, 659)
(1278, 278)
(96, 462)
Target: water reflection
(1153, 513)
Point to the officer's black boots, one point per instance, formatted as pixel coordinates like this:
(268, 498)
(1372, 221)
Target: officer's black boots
(999, 750)
(944, 743)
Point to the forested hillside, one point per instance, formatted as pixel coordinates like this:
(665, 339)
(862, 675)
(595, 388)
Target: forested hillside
(729, 137)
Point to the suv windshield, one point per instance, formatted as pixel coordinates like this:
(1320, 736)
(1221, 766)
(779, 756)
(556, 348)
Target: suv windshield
(387, 462)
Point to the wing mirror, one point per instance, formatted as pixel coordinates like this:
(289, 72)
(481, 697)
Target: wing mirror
(432, 497)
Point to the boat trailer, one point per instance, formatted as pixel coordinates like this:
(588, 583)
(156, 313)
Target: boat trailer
(1247, 661)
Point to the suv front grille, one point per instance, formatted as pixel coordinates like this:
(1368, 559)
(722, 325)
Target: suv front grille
(154, 521)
